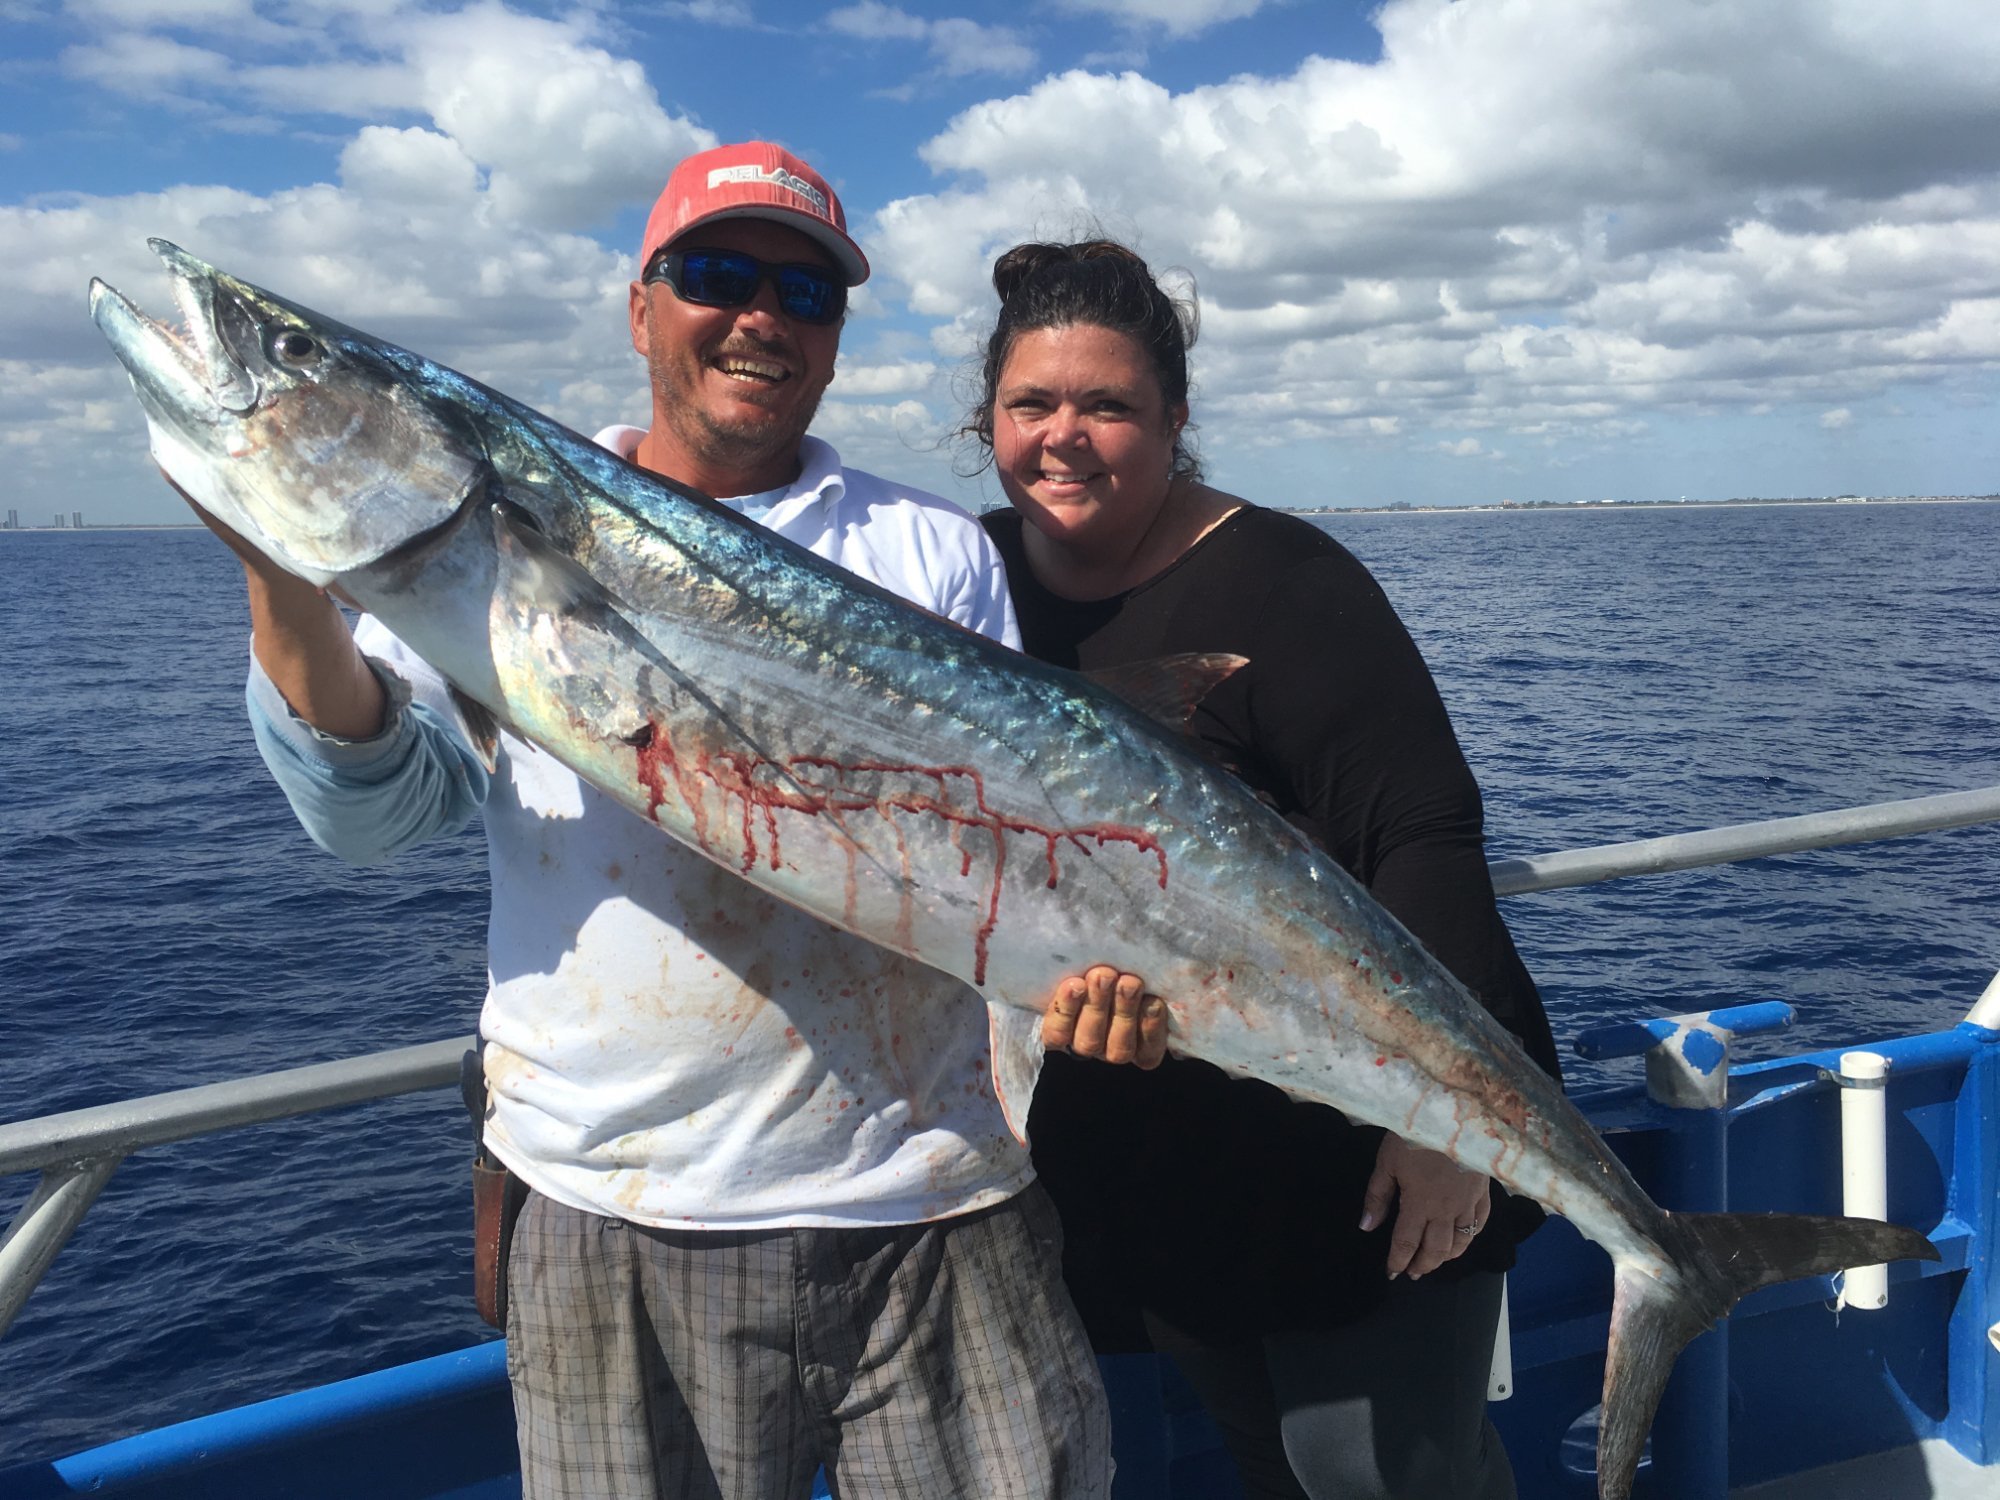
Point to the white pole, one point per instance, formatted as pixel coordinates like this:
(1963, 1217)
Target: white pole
(1864, 1174)
(1986, 1009)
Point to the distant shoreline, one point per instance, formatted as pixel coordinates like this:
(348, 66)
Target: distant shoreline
(106, 526)
(1512, 507)
(1509, 507)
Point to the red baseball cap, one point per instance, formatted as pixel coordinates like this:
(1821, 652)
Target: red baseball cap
(755, 180)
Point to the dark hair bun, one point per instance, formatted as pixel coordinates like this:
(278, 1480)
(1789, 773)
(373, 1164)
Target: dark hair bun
(1024, 263)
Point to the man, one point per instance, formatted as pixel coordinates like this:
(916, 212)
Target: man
(776, 1218)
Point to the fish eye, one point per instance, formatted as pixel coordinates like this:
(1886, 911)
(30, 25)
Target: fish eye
(299, 350)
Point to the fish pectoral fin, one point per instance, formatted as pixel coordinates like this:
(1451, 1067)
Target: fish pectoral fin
(482, 730)
(1168, 689)
(537, 576)
(1016, 1045)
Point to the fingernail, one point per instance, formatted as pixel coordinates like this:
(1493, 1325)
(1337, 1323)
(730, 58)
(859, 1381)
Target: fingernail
(1155, 1006)
(1368, 1222)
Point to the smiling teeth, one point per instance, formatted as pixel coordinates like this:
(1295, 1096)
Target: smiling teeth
(752, 367)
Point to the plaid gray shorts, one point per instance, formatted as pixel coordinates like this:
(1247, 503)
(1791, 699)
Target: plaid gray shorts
(916, 1362)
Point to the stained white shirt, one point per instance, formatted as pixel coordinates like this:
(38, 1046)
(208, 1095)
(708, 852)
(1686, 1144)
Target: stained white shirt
(665, 1043)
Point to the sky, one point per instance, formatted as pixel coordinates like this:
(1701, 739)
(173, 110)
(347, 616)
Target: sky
(1444, 251)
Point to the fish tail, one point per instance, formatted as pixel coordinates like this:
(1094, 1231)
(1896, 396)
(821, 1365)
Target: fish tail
(1718, 1259)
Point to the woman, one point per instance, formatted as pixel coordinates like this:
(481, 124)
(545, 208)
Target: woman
(1330, 1291)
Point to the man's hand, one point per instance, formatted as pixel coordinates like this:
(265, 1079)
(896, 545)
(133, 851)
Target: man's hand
(1108, 1015)
(302, 642)
(1440, 1207)
(246, 554)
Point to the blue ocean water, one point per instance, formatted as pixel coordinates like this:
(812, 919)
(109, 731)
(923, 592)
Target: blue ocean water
(1613, 674)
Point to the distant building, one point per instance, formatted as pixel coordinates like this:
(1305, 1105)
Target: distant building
(76, 519)
(13, 520)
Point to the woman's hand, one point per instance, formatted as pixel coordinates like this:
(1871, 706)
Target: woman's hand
(1440, 1206)
(1107, 1015)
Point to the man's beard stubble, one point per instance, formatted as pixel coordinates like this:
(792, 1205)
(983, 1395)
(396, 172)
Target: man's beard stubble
(731, 445)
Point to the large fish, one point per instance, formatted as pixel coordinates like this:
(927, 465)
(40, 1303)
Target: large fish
(906, 779)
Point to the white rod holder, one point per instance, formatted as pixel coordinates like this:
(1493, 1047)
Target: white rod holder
(1864, 1165)
(1986, 1009)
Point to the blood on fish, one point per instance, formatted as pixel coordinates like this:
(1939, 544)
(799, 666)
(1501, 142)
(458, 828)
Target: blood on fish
(795, 787)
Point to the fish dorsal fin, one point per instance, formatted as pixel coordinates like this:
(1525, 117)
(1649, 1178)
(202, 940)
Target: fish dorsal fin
(1168, 689)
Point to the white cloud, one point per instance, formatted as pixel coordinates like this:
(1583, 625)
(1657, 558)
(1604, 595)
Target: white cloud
(415, 167)
(958, 47)
(895, 378)
(874, 20)
(457, 232)
(905, 439)
(180, 15)
(151, 67)
(712, 12)
(567, 132)
(1547, 220)
(1547, 215)
(1968, 333)
(1835, 420)
(963, 47)
(564, 131)
(1175, 17)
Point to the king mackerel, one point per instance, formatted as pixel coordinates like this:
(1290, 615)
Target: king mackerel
(904, 779)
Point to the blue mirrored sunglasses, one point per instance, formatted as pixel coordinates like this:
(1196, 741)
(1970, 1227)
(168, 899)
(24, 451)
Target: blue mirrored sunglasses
(729, 278)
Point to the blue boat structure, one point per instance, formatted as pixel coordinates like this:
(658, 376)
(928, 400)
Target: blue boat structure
(1879, 1382)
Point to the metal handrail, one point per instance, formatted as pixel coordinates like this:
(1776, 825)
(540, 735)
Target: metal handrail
(118, 1129)
(78, 1151)
(1740, 841)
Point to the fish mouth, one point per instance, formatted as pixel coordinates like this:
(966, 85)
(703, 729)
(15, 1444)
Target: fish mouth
(187, 374)
(325, 462)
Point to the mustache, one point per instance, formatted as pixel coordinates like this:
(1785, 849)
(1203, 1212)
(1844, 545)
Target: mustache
(749, 346)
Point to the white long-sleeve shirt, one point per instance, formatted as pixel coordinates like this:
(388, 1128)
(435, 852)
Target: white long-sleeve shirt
(665, 1043)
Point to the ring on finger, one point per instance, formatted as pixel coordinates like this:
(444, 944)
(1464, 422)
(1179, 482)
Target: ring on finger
(1468, 1230)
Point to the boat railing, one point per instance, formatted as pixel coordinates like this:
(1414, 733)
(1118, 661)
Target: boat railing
(77, 1151)
(1741, 841)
